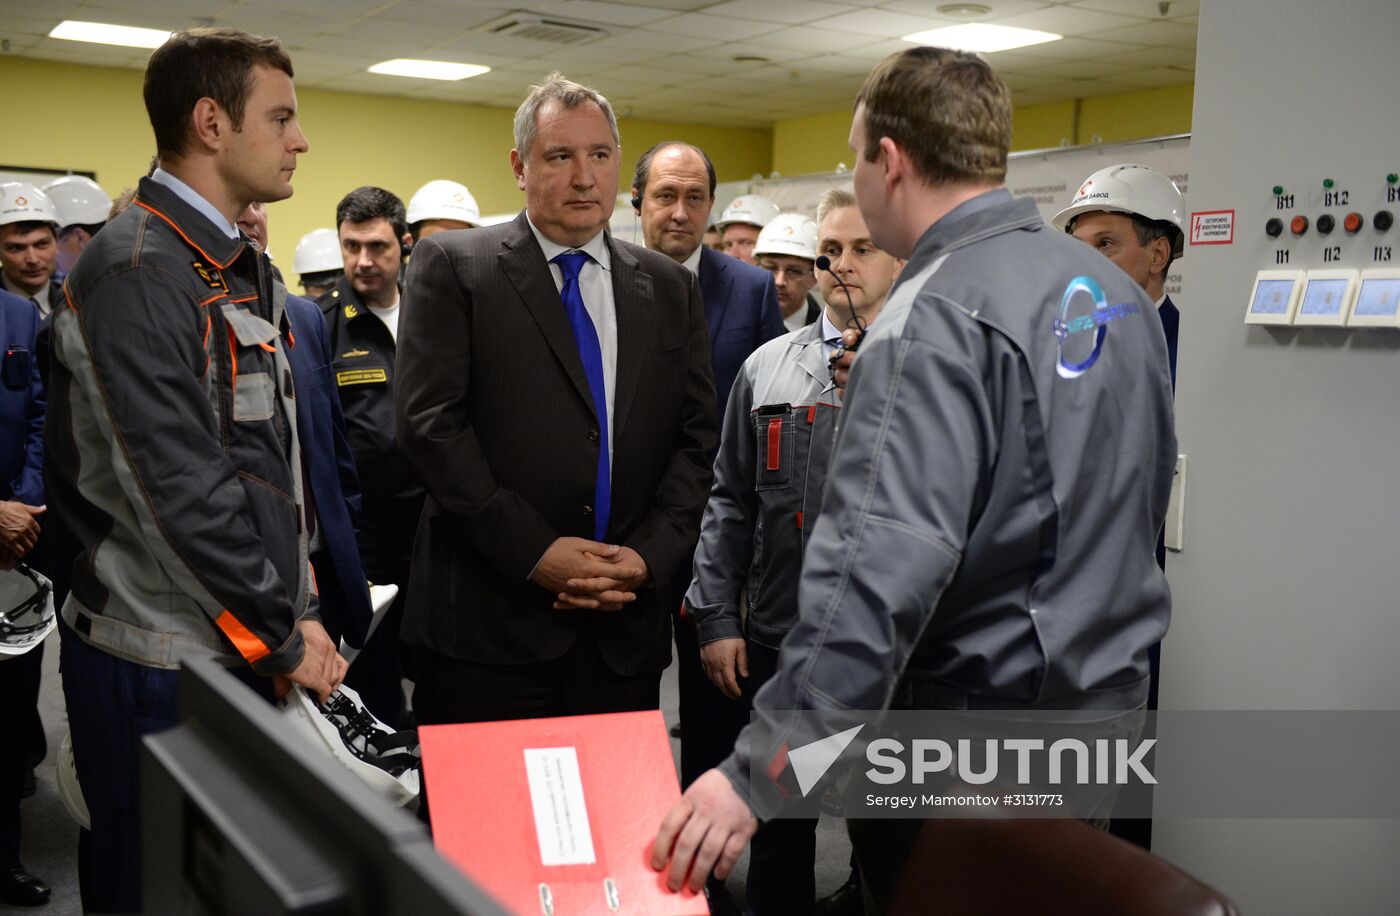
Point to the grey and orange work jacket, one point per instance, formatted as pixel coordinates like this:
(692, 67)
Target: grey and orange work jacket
(171, 445)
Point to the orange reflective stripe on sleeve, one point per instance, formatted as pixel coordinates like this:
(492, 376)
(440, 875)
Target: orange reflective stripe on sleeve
(248, 645)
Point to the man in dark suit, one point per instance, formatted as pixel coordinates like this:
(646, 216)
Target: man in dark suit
(21, 503)
(673, 189)
(555, 394)
(331, 485)
(333, 488)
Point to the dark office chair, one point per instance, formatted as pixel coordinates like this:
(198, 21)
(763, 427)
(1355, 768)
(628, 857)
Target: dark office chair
(990, 867)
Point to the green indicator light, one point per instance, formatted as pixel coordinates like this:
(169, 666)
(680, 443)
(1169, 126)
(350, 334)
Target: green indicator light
(1278, 189)
(1392, 178)
(1327, 183)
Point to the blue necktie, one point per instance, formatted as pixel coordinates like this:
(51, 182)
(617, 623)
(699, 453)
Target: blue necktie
(586, 338)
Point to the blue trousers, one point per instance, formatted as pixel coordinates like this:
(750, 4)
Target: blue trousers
(112, 704)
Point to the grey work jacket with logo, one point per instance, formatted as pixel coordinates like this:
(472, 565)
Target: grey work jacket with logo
(778, 429)
(171, 445)
(998, 481)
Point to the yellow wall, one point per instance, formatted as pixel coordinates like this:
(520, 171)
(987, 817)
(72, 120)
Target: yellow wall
(1042, 126)
(93, 119)
(1134, 115)
(816, 143)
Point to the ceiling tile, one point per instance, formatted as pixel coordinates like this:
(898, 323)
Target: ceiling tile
(929, 10)
(880, 23)
(1155, 33)
(1151, 58)
(787, 12)
(678, 5)
(806, 40)
(1148, 9)
(1155, 79)
(693, 65)
(174, 12)
(452, 14)
(718, 28)
(1076, 70)
(656, 42)
(1065, 49)
(594, 12)
(1067, 21)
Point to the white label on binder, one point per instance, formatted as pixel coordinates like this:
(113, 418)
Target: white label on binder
(556, 797)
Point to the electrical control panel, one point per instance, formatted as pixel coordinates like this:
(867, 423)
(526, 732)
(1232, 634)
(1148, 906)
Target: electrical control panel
(1339, 230)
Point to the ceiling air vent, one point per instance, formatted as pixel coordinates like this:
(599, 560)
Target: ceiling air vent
(542, 28)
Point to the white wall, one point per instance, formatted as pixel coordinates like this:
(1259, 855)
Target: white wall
(1287, 595)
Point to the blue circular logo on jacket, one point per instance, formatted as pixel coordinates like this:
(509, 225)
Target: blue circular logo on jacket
(1080, 309)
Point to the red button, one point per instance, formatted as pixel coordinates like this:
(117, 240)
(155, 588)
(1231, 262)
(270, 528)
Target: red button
(1299, 225)
(1353, 223)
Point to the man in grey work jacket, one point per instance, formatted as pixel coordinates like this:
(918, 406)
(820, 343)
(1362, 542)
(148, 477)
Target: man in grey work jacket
(999, 476)
(769, 474)
(171, 449)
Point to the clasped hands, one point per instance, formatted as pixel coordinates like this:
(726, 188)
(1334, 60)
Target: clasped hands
(587, 575)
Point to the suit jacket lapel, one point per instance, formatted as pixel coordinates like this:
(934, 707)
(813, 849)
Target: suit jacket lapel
(632, 296)
(523, 263)
(715, 284)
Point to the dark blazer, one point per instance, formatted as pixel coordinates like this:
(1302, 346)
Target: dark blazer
(741, 314)
(494, 413)
(21, 403)
(330, 470)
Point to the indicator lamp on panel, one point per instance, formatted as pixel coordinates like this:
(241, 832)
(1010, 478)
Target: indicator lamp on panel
(1327, 298)
(1392, 178)
(1325, 224)
(1278, 190)
(1328, 183)
(1354, 223)
(1299, 225)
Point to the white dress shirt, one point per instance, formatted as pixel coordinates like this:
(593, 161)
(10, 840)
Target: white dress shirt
(40, 299)
(192, 197)
(595, 285)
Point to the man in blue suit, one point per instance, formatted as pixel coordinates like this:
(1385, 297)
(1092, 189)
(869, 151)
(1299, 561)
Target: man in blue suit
(21, 502)
(673, 190)
(331, 485)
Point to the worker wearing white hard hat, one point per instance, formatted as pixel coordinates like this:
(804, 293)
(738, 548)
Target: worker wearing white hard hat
(29, 245)
(787, 249)
(82, 208)
(441, 205)
(1136, 216)
(318, 262)
(740, 223)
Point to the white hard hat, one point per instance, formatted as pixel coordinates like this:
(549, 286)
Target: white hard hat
(79, 201)
(389, 761)
(443, 199)
(26, 610)
(791, 234)
(1130, 188)
(754, 209)
(317, 252)
(21, 202)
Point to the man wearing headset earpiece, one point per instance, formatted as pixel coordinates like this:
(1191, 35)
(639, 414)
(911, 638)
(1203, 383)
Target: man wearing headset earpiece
(672, 191)
(362, 318)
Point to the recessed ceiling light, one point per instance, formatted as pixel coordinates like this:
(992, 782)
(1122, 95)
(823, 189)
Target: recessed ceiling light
(428, 69)
(964, 10)
(982, 37)
(103, 33)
